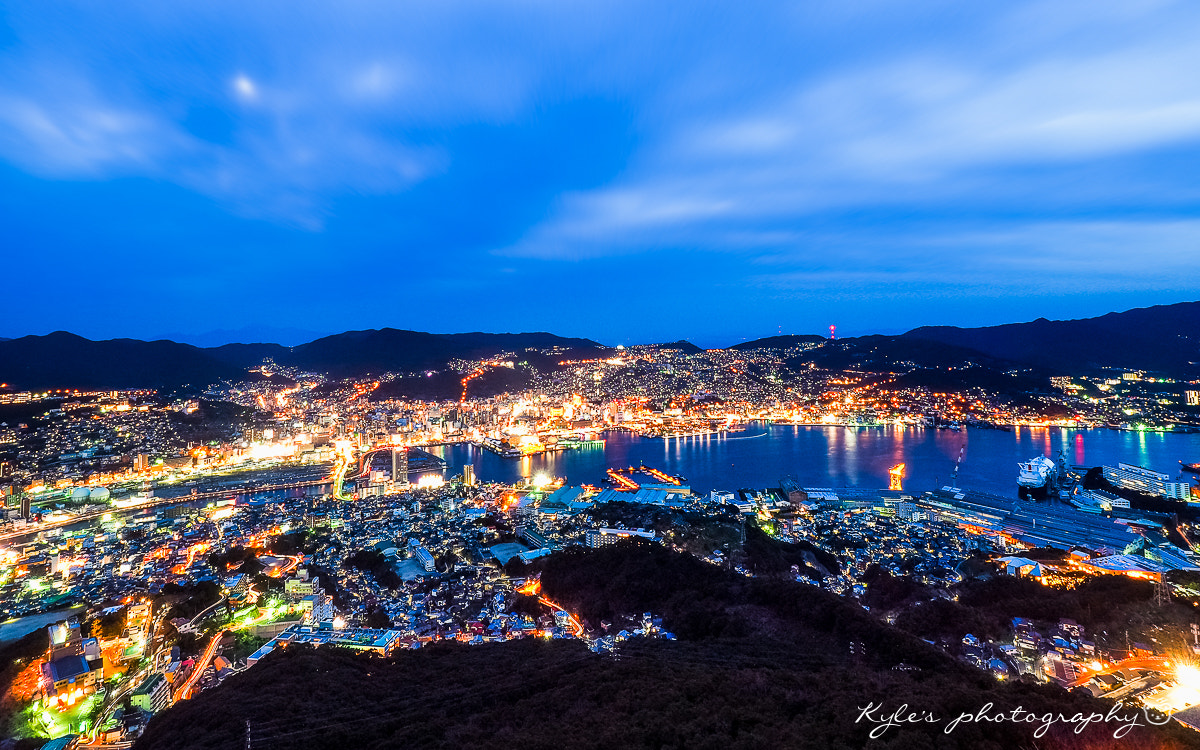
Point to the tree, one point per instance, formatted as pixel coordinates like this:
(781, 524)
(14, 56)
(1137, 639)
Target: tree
(110, 625)
(377, 618)
(376, 564)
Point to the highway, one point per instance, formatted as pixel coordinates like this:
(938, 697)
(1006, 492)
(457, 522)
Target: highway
(156, 503)
(197, 670)
(113, 700)
(191, 624)
(261, 488)
(130, 683)
(535, 588)
(339, 477)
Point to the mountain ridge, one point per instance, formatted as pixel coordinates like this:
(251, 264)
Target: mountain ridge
(66, 360)
(1161, 338)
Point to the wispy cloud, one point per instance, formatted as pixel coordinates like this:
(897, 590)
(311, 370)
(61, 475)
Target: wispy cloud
(763, 151)
(70, 130)
(945, 125)
(282, 162)
(1022, 259)
(310, 116)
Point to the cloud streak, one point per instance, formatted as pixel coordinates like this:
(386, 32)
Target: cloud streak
(945, 126)
(817, 152)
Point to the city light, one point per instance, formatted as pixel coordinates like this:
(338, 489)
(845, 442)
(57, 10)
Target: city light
(317, 465)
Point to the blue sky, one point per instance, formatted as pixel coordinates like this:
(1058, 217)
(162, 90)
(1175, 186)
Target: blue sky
(624, 171)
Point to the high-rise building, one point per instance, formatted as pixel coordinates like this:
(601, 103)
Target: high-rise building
(1193, 397)
(468, 475)
(316, 608)
(400, 465)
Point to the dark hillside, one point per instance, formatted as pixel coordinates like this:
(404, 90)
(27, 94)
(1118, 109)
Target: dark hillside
(757, 664)
(1164, 338)
(64, 360)
(778, 342)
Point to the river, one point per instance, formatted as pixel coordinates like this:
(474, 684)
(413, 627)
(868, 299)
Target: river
(20, 627)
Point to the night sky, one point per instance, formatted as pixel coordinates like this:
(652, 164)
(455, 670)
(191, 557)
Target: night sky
(625, 171)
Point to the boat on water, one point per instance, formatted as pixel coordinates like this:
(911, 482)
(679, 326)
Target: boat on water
(1036, 477)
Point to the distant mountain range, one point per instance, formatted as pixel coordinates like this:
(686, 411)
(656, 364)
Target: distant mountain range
(64, 360)
(1164, 339)
(279, 335)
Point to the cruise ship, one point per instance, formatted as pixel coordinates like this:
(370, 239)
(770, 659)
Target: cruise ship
(1036, 478)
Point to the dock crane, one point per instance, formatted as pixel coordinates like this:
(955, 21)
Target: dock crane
(957, 463)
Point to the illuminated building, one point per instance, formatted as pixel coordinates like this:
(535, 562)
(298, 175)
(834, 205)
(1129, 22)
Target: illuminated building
(238, 588)
(382, 642)
(1146, 481)
(153, 695)
(423, 557)
(400, 466)
(718, 497)
(296, 589)
(605, 537)
(316, 608)
(74, 668)
(533, 536)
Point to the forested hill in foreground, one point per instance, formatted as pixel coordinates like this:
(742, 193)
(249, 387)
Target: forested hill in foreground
(759, 663)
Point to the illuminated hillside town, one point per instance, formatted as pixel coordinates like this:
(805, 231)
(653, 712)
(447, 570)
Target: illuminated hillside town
(163, 543)
(511, 375)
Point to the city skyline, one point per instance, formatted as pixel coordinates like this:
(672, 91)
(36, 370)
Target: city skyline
(734, 174)
(614, 374)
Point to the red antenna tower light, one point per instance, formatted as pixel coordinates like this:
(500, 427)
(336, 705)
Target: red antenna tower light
(833, 332)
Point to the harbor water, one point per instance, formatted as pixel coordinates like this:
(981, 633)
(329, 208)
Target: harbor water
(839, 456)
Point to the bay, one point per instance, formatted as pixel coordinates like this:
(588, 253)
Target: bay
(839, 456)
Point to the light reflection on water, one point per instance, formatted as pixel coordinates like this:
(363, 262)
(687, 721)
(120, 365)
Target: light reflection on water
(836, 456)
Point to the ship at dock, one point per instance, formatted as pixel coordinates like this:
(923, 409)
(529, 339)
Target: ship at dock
(1037, 478)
